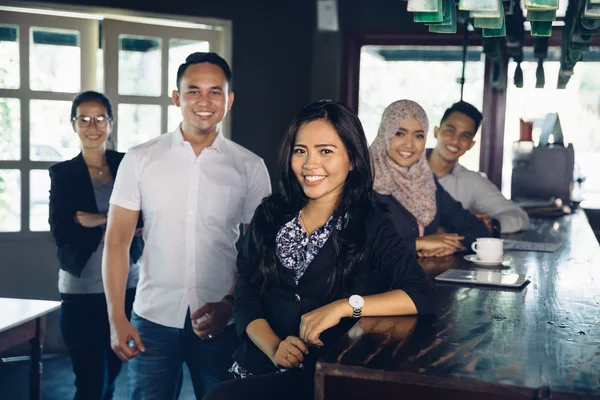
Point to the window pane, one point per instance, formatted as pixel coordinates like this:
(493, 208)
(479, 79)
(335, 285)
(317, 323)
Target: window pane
(10, 200)
(55, 60)
(10, 129)
(179, 49)
(174, 118)
(139, 66)
(578, 108)
(427, 76)
(100, 70)
(52, 136)
(9, 62)
(137, 124)
(39, 197)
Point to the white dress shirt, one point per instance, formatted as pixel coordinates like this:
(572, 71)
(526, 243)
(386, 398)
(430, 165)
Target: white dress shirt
(477, 193)
(192, 209)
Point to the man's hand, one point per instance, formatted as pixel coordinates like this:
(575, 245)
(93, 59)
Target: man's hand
(485, 218)
(312, 324)
(90, 220)
(218, 314)
(290, 352)
(121, 332)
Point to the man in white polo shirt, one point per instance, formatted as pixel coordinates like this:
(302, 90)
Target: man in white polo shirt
(194, 188)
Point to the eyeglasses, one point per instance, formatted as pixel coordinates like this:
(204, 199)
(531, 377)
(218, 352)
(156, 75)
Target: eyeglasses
(83, 121)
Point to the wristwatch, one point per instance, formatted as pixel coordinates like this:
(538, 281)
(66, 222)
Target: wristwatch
(357, 303)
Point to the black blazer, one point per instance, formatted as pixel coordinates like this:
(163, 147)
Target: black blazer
(71, 190)
(450, 215)
(388, 265)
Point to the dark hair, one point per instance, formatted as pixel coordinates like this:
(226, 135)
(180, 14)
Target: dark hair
(466, 108)
(357, 197)
(199, 58)
(91, 96)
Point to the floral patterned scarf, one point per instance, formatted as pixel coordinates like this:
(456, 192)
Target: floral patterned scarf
(414, 186)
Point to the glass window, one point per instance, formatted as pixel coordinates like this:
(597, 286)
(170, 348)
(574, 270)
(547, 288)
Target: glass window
(52, 136)
(139, 65)
(39, 198)
(173, 118)
(55, 60)
(137, 124)
(428, 76)
(10, 129)
(100, 70)
(578, 108)
(10, 200)
(9, 62)
(179, 49)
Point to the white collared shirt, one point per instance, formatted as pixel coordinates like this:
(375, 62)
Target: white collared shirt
(475, 192)
(192, 209)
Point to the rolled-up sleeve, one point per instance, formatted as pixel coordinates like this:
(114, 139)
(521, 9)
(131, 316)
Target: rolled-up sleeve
(454, 218)
(126, 190)
(399, 264)
(247, 306)
(259, 187)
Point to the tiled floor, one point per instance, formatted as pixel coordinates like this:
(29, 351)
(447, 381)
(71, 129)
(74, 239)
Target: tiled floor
(58, 381)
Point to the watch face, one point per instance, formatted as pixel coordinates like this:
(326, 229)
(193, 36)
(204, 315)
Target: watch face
(356, 301)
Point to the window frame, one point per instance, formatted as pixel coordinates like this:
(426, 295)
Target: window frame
(85, 20)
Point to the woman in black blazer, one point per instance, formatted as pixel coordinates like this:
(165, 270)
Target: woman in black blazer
(79, 194)
(318, 255)
(429, 220)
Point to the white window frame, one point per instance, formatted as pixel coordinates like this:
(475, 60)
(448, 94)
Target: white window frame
(84, 19)
(112, 29)
(88, 39)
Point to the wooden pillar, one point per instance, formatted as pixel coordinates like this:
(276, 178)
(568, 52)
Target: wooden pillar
(492, 130)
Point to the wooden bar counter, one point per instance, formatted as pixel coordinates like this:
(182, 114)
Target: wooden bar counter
(539, 342)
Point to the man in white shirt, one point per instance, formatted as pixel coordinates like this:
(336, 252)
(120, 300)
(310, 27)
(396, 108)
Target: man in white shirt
(194, 188)
(455, 136)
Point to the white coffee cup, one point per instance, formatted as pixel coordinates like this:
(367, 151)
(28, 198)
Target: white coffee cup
(488, 249)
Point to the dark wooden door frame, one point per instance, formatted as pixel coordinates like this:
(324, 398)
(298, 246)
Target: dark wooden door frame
(494, 101)
(491, 151)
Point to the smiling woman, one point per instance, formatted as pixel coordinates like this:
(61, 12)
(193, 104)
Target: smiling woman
(320, 162)
(80, 189)
(404, 181)
(320, 254)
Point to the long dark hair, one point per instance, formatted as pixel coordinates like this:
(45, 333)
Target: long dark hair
(357, 197)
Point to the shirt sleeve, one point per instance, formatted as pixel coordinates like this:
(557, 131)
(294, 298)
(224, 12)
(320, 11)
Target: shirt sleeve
(259, 187)
(399, 264)
(247, 306)
(488, 199)
(126, 190)
(454, 218)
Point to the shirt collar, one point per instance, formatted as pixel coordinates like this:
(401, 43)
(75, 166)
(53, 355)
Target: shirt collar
(218, 144)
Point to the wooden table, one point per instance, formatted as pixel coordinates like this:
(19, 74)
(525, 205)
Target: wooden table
(539, 342)
(22, 320)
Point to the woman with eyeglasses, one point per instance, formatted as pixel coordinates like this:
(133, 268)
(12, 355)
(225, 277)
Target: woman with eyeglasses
(80, 190)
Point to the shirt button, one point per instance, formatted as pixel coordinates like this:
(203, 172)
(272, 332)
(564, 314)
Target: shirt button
(297, 297)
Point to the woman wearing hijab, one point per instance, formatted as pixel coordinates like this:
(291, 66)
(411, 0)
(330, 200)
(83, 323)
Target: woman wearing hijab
(422, 211)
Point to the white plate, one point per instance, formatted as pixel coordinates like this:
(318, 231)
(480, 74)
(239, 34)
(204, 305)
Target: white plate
(476, 260)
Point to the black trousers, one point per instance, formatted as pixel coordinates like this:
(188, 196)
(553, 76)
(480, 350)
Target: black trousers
(86, 332)
(295, 384)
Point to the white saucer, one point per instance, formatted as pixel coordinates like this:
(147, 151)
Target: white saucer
(476, 260)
